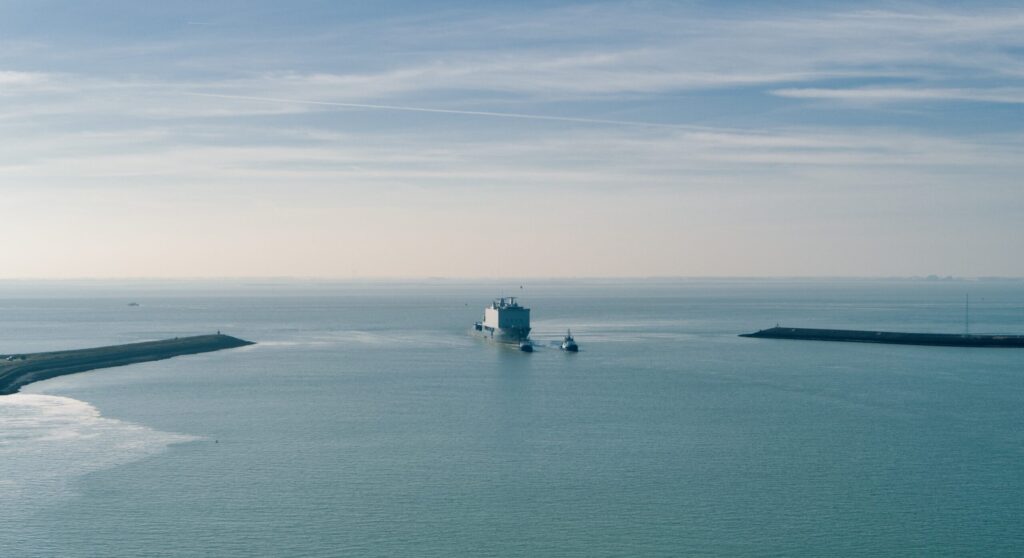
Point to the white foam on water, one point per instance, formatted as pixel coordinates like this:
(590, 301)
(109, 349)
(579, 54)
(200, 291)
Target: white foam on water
(612, 331)
(46, 441)
(382, 339)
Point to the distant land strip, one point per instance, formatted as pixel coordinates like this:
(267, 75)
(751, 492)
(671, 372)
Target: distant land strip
(890, 337)
(17, 370)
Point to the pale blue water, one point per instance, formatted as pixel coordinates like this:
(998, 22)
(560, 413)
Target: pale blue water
(367, 422)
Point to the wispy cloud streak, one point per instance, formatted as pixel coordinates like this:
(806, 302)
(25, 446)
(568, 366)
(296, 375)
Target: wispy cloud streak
(893, 94)
(491, 114)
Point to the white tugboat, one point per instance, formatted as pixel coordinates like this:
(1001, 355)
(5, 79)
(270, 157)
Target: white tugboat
(505, 321)
(569, 344)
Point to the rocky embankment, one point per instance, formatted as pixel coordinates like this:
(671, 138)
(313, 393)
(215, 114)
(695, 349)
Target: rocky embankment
(20, 369)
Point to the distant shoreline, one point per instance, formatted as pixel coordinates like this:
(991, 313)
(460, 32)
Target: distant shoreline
(17, 370)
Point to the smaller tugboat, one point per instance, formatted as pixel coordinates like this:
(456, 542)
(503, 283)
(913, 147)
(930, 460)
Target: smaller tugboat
(569, 344)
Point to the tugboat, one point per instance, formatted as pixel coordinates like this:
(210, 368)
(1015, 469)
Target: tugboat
(569, 344)
(505, 321)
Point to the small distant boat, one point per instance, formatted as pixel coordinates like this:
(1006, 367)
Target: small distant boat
(133, 304)
(526, 346)
(569, 344)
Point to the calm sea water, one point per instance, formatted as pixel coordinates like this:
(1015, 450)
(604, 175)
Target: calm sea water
(367, 422)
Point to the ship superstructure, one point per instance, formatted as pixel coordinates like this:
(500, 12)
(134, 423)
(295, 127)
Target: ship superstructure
(568, 343)
(505, 321)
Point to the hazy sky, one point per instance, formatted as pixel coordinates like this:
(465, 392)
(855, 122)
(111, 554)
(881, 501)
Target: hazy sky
(375, 139)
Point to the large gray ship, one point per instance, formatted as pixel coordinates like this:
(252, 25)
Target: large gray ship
(505, 321)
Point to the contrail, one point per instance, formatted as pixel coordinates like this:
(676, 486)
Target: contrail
(462, 112)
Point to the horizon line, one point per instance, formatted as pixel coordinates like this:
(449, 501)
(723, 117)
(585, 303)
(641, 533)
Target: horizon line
(406, 278)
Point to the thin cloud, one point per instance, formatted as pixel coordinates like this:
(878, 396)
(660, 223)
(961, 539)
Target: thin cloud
(576, 158)
(896, 95)
(17, 79)
(515, 115)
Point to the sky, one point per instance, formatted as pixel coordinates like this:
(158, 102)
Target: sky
(515, 139)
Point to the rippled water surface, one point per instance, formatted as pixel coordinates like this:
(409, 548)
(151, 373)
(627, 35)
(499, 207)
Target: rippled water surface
(368, 422)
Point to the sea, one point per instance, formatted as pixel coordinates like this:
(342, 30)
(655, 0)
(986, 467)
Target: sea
(368, 421)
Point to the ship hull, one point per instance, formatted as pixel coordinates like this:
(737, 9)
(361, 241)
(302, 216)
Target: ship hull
(890, 337)
(513, 336)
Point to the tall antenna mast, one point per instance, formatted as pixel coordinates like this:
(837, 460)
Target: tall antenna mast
(967, 314)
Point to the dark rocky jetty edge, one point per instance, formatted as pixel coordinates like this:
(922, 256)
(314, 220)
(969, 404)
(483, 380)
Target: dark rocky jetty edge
(20, 369)
(891, 337)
